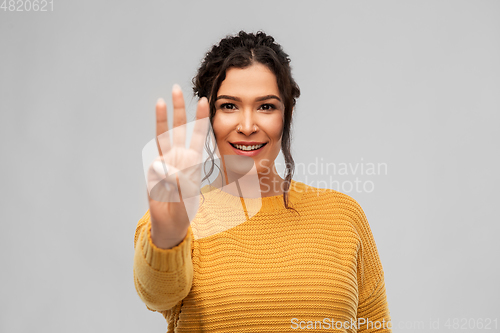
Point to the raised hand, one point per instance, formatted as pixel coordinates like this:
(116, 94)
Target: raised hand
(174, 178)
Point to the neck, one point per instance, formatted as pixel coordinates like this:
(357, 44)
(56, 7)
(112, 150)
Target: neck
(251, 185)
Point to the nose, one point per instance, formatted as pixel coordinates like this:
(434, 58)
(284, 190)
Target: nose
(247, 123)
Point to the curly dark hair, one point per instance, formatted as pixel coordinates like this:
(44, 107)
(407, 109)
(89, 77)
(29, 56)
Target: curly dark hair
(241, 51)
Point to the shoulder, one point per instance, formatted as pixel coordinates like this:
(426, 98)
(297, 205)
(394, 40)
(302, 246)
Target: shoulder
(334, 204)
(328, 198)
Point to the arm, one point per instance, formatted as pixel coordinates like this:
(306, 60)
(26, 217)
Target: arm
(162, 277)
(373, 311)
(163, 269)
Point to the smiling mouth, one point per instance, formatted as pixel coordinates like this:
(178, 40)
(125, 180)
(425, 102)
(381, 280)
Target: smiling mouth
(248, 148)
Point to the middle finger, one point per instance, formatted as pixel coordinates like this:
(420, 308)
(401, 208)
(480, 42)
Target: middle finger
(179, 130)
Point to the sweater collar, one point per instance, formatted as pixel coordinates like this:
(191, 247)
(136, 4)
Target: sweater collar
(265, 204)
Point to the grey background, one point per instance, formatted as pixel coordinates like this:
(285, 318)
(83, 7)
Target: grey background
(413, 84)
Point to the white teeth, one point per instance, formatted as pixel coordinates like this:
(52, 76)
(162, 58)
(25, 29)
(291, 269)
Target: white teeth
(249, 147)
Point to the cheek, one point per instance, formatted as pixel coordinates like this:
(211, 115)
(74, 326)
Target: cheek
(220, 127)
(275, 128)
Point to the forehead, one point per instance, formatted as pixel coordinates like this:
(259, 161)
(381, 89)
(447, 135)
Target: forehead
(256, 79)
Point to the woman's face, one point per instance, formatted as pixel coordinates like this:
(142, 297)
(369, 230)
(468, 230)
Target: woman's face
(249, 115)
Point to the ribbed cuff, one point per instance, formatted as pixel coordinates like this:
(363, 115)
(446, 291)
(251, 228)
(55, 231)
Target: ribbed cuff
(165, 260)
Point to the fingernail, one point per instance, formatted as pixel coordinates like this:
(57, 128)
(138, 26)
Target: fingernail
(160, 101)
(176, 87)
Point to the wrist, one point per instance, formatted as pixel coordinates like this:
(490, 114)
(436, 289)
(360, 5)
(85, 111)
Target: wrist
(167, 238)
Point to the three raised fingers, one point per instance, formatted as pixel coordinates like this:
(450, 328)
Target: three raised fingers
(179, 125)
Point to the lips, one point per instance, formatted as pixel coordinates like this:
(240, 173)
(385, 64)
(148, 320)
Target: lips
(247, 148)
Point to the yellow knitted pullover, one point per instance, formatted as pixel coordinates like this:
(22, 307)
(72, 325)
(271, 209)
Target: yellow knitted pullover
(316, 269)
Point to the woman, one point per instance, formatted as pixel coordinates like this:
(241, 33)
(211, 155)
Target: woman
(293, 257)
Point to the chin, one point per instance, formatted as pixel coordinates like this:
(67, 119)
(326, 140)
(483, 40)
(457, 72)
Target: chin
(240, 165)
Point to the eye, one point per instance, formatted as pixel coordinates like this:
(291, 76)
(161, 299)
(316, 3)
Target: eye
(227, 106)
(268, 107)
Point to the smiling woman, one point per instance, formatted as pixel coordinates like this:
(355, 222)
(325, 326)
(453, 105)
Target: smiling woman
(233, 262)
(252, 72)
(248, 121)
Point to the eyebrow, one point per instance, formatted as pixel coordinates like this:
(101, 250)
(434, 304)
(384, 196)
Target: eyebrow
(258, 99)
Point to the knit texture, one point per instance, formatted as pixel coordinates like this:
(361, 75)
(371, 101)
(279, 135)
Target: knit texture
(318, 265)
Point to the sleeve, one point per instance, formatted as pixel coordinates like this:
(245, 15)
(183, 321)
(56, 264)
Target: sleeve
(373, 311)
(162, 277)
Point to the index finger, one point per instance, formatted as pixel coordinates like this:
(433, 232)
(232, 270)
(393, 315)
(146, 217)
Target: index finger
(201, 125)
